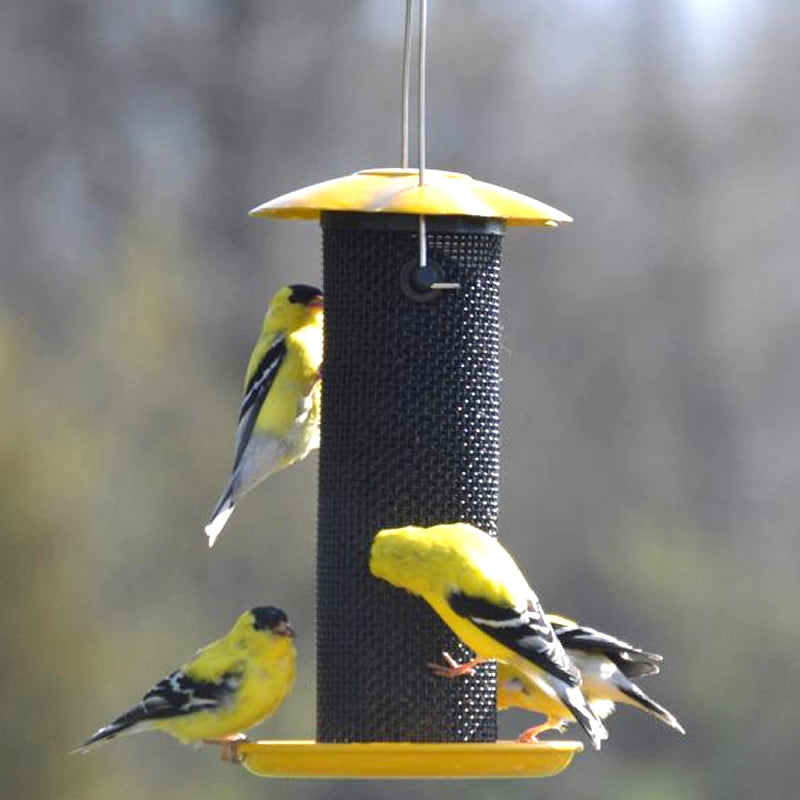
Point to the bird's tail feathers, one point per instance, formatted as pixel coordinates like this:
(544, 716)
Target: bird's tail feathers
(129, 722)
(221, 515)
(573, 699)
(637, 663)
(639, 699)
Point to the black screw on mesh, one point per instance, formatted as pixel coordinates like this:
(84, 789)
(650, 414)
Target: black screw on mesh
(410, 435)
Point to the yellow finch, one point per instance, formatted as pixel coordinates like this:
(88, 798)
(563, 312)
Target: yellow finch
(606, 664)
(230, 685)
(475, 586)
(279, 415)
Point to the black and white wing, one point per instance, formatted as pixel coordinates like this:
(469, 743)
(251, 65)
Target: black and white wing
(244, 477)
(632, 661)
(179, 694)
(255, 392)
(527, 633)
(174, 696)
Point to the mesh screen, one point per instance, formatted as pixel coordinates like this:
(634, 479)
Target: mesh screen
(410, 435)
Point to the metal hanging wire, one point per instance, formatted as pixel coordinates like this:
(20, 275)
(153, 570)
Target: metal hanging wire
(406, 78)
(421, 121)
(421, 76)
(423, 35)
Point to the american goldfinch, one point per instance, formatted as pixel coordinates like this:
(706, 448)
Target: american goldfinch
(606, 664)
(230, 685)
(474, 585)
(280, 411)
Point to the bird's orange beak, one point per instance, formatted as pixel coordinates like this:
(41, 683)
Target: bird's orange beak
(284, 629)
(316, 303)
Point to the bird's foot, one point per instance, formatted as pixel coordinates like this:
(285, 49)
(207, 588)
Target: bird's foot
(228, 747)
(451, 668)
(532, 734)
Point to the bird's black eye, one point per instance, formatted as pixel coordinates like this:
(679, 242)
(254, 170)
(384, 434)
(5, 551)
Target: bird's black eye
(267, 617)
(303, 294)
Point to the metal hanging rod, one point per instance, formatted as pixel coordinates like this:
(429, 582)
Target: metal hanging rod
(423, 37)
(421, 117)
(406, 77)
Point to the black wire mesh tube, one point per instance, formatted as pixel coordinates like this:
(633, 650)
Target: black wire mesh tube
(410, 435)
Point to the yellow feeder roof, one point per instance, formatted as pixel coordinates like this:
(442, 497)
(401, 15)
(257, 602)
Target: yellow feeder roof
(393, 190)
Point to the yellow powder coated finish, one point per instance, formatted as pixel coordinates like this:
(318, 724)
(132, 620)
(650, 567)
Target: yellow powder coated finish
(397, 191)
(308, 759)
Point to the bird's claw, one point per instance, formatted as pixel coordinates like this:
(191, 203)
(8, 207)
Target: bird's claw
(451, 668)
(528, 736)
(532, 734)
(229, 747)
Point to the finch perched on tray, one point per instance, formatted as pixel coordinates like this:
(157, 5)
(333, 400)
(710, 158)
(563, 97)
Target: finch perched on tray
(228, 686)
(474, 585)
(606, 664)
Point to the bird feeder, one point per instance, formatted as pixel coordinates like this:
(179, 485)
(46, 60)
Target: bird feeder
(410, 435)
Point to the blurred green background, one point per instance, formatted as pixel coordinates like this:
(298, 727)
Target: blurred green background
(651, 368)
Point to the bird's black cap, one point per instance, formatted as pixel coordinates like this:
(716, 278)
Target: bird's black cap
(268, 617)
(303, 294)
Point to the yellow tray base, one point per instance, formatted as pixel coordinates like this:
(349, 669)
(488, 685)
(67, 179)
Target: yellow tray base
(399, 760)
